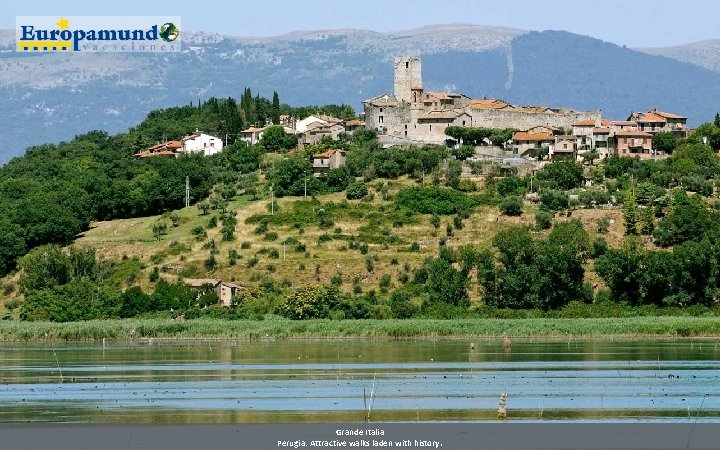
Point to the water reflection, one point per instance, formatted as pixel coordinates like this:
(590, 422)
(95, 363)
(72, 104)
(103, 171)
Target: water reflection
(300, 381)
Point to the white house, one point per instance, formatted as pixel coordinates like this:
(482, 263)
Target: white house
(201, 142)
(302, 125)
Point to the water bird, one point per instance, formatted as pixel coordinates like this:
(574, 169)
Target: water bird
(507, 343)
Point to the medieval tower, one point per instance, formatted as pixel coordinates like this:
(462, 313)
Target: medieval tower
(408, 78)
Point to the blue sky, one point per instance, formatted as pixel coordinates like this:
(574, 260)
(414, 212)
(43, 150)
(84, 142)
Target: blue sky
(638, 23)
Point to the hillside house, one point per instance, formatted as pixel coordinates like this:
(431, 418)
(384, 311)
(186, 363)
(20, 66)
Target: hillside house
(525, 143)
(167, 149)
(352, 125)
(331, 159)
(200, 142)
(302, 125)
(226, 292)
(634, 143)
(565, 147)
(316, 131)
(252, 135)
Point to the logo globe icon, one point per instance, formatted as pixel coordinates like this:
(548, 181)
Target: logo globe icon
(169, 32)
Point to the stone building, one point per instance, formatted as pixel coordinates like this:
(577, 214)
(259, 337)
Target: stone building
(413, 115)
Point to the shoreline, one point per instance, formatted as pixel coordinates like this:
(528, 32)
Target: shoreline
(140, 330)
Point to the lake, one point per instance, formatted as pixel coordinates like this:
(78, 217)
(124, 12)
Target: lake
(339, 380)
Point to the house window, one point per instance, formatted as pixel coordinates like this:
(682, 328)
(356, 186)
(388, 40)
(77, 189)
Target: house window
(430, 127)
(380, 109)
(380, 119)
(406, 127)
(407, 65)
(463, 123)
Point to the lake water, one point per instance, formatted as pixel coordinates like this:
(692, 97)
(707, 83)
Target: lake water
(338, 380)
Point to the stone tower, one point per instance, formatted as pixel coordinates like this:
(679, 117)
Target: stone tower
(408, 78)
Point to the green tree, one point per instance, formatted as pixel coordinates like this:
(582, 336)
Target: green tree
(159, 229)
(275, 110)
(356, 190)
(12, 245)
(563, 174)
(274, 138)
(664, 141)
(44, 267)
(446, 284)
(511, 206)
(463, 152)
(630, 215)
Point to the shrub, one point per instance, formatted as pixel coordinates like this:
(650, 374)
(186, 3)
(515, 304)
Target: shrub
(543, 219)
(270, 236)
(245, 245)
(434, 200)
(414, 247)
(252, 262)
(356, 190)
(554, 200)
(511, 206)
(599, 247)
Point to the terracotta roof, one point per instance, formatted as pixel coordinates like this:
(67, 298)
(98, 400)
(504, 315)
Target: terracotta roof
(667, 115)
(199, 282)
(328, 153)
(565, 137)
(434, 115)
(623, 123)
(252, 130)
(523, 136)
(233, 285)
(633, 133)
(443, 95)
(354, 123)
(584, 123)
(488, 103)
(601, 130)
(650, 118)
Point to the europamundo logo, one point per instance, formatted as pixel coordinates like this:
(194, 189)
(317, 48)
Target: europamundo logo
(98, 34)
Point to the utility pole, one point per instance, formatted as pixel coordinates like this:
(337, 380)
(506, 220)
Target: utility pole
(187, 191)
(272, 201)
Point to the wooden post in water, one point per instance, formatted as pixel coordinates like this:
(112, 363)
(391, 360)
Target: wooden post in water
(502, 411)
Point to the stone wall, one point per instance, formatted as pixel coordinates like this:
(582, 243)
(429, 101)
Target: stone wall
(522, 120)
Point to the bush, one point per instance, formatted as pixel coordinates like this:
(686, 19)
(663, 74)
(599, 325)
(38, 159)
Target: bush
(599, 247)
(511, 206)
(414, 247)
(434, 200)
(554, 200)
(356, 190)
(270, 236)
(245, 245)
(543, 220)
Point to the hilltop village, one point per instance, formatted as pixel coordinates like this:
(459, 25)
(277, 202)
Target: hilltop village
(413, 116)
(427, 204)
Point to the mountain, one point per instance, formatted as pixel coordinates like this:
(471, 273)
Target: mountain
(704, 53)
(52, 97)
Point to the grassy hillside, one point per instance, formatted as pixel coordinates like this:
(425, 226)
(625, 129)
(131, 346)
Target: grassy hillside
(180, 253)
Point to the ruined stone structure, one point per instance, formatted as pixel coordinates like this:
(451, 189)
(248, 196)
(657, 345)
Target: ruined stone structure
(413, 115)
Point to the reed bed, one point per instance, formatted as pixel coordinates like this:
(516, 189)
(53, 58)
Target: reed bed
(205, 328)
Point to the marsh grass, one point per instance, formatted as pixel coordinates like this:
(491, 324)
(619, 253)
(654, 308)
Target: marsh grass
(205, 328)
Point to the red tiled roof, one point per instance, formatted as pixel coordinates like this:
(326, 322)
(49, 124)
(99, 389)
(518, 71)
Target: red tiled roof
(584, 123)
(650, 118)
(354, 123)
(329, 153)
(601, 130)
(433, 115)
(667, 115)
(523, 136)
(633, 133)
(488, 103)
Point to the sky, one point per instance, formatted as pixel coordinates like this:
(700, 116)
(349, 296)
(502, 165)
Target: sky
(638, 23)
